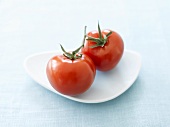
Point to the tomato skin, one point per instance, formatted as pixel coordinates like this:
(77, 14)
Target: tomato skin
(107, 57)
(71, 77)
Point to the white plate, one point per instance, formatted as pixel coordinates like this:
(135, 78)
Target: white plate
(107, 85)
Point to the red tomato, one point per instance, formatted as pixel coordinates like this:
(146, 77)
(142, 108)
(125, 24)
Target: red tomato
(104, 47)
(71, 76)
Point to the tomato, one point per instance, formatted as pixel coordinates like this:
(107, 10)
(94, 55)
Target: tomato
(104, 47)
(71, 74)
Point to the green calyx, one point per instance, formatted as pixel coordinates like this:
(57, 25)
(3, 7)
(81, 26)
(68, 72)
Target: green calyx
(74, 54)
(101, 41)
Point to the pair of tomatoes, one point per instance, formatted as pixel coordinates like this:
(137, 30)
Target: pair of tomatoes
(73, 72)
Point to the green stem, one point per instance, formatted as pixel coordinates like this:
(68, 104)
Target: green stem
(84, 35)
(74, 54)
(101, 41)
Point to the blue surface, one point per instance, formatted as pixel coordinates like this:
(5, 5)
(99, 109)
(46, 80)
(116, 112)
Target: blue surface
(28, 27)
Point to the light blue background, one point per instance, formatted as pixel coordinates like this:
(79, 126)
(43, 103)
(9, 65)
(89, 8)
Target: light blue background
(28, 27)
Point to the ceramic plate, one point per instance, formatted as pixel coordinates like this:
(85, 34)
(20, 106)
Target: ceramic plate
(106, 86)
